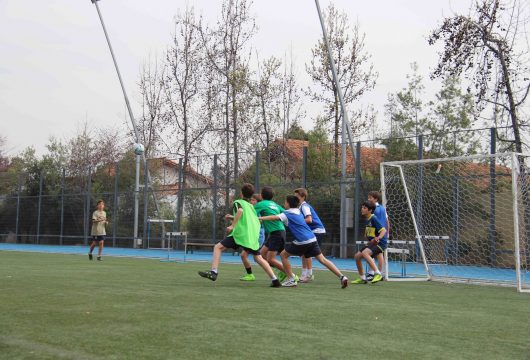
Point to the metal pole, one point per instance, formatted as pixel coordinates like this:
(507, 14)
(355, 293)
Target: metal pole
(18, 209)
(115, 205)
(515, 211)
(180, 199)
(343, 231)
(304, 168)
(345, 128)
(357, 196)
(419, 199)
(136, 202)
(492, 233)
(214, 200)
(62, 209)
(256, 180)
(39, 208)
(87, 207)
(146, 188)
(134, 126)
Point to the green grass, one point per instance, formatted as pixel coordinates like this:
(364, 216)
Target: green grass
(63, 306)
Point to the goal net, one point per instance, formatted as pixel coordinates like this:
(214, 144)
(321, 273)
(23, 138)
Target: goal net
(463, 219)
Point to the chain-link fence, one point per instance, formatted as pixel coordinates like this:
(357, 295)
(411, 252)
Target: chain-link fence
(195, 193)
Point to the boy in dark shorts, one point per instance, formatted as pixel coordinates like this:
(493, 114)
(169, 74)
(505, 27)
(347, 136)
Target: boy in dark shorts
(304, 244)
(99, 220)
(376, 235)
(244, 233)
(274, 230)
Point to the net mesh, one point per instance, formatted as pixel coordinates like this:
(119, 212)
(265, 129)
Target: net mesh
(459, 216)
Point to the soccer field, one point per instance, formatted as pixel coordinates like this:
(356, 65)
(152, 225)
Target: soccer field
(63, 306)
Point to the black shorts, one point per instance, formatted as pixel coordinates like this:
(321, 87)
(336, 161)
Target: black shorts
(229, 242)
(306, 250)
(320, 238)
(275, 241)
(98, 238)
(376, 249)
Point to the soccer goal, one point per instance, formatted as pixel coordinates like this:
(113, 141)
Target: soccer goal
(462, 219)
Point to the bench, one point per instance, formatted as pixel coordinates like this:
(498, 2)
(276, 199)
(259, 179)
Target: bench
(190, 246)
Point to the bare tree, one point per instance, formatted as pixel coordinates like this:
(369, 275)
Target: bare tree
(224, 45)
(183, 85)
(490, 46)
(356, 75)
(153, 112)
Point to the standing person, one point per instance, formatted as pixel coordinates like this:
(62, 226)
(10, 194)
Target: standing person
(316, 226)
(305, 243)
(256, 198)
(275, 230)
(99, 220)
(376, 236)
(244, 232)
(381, 215)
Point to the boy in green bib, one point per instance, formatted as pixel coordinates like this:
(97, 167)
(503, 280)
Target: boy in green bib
(244, 233)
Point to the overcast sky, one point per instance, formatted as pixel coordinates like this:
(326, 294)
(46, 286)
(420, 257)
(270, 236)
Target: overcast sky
(56, 70)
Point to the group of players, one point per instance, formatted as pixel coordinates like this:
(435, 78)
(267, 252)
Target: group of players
(255, 217)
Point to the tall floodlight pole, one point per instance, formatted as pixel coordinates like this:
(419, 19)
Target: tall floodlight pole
(345, 130)
(136, 135)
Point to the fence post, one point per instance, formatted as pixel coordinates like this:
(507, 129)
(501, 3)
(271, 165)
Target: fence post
(419, 200)
(40, 204)
(180, 199)
(214, 200)
(304, 168)
(115, 205)
(87, 206)
(62, 208)
(256, 180)
(146, 200)
(357, 193)
(492, 230)
(455, 253)
(18, 209)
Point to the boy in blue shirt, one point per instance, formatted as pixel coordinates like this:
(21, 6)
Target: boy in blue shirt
(382, 216)
(317, 227)
(376, 235)
(305, 243)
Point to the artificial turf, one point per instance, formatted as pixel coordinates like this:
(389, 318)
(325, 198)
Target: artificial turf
(65, 307)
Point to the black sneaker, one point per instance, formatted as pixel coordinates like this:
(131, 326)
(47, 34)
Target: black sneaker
(276, 283)
(209, 275)
(369, 277)
(99, 258)
(89, 256)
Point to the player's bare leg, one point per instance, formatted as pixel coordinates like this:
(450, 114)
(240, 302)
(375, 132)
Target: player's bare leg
(322, 259)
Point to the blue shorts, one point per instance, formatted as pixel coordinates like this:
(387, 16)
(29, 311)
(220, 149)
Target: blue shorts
(306, 250)
(98, 238)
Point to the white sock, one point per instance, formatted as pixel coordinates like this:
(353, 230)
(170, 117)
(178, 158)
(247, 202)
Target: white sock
(309, 272)
(371, 272)
(304, 272)
(274, 277)
(363, 277)
(378, 272)
(214, 270)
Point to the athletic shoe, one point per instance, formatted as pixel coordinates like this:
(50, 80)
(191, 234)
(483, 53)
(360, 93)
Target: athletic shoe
(208, 274)
(281, 276)
(306, 279)
(289, 283)
(89, 256)
(99, 258)
(369, 277)
(248, 277)
(296, 278)
(276, 283)
(343, 282)
(377, 278)
(359, 281)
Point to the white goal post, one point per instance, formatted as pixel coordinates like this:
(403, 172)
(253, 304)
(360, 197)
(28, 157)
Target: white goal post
(461, 219)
